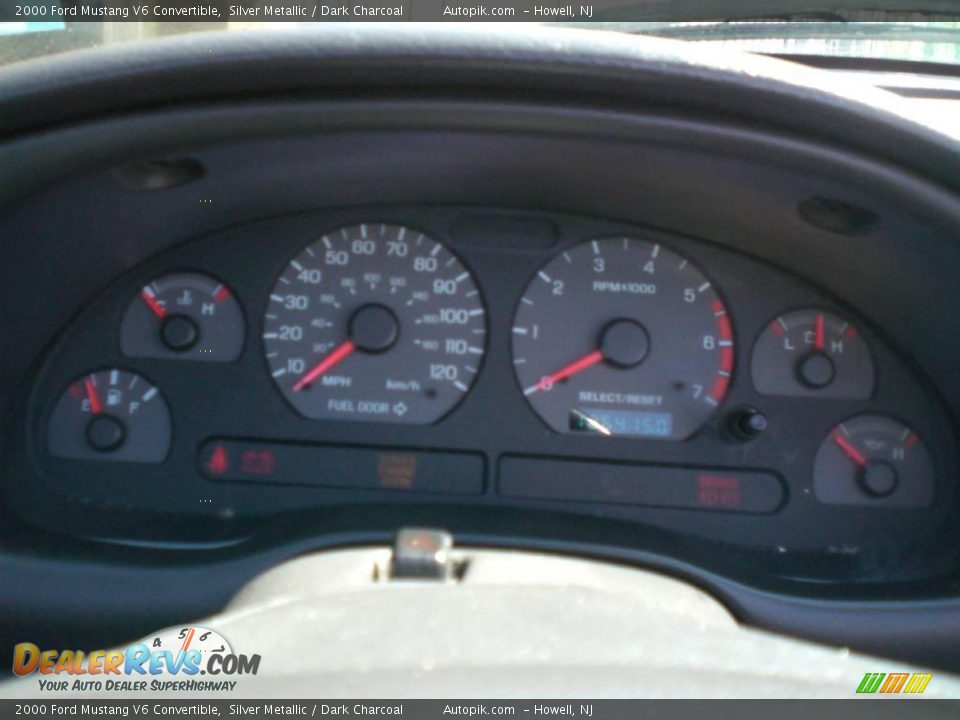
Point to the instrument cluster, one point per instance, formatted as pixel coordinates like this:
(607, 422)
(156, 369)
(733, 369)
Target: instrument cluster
(426, 356)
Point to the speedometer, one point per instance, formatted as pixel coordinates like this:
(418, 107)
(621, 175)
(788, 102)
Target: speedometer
(375, 323)
(623, 337)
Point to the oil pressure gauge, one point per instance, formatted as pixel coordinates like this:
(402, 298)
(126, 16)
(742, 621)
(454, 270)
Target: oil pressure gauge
(811, 353)
(183, 316)
(873, 459)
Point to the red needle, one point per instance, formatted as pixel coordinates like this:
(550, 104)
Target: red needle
(565, 372)
(328, 362)
(92, 396)
(850, 450)
(819, 340)
(152, 303)
(186, 641)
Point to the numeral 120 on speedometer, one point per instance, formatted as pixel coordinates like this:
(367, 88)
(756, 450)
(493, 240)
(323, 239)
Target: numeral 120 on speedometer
(375, 323)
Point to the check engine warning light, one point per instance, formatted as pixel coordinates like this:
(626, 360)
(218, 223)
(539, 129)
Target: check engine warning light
(718, 490)
(396, 472)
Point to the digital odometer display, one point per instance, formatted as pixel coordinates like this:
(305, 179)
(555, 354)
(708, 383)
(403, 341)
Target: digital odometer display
(376, 323)
(621, 422)
(622, 336)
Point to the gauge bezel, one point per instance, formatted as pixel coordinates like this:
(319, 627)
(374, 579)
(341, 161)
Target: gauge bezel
(186, 270)
(884, 502)
(315, 237)
(665, 244)
(47, 416)
(863, 331)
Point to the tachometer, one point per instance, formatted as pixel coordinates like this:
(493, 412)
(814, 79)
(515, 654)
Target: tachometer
(375, 323)
(623, 337)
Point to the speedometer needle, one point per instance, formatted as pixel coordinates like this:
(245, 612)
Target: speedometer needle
(565, 372)
(342, 351)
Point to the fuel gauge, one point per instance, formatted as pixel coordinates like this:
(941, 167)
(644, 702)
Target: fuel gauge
(871, 459)
(111, 415)
(183, 316)
(811, 353)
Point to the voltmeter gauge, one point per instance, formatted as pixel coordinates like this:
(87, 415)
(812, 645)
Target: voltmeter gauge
(873, 459)
(810, 353)
(183, 316)
(111, 415)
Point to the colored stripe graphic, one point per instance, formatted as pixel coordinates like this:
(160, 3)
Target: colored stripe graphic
(870, 682)
(918, 683)
(894, 683)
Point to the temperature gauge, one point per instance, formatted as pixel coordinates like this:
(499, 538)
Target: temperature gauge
(110, 415)
(873, 458)
(184, 316)
(814, 354)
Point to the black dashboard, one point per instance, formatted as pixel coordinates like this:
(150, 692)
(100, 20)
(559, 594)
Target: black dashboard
(500, 358)
(692, 317)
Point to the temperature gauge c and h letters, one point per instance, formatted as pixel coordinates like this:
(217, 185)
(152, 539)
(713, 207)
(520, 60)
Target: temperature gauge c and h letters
(809, 353)
(183, 316)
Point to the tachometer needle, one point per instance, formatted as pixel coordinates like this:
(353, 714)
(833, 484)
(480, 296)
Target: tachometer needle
(152, 303)
(849, 450)
(565, 372)
(328, 362)
(95, 407)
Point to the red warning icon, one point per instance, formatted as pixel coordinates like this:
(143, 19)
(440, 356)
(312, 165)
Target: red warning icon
(219, 462)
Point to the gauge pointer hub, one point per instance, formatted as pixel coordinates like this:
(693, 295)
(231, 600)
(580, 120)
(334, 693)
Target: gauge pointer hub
(105, 433)
(623, 344)
(179, 332)
(374, 328)
(878, 479)
(816, 370)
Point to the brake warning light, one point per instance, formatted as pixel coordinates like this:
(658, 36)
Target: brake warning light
(718, 490)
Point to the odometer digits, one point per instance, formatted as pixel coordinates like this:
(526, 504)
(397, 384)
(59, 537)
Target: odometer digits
(376, 323)
(623, 337)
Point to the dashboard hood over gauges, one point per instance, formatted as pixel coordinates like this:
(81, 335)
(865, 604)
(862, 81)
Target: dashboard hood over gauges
(791, 204)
